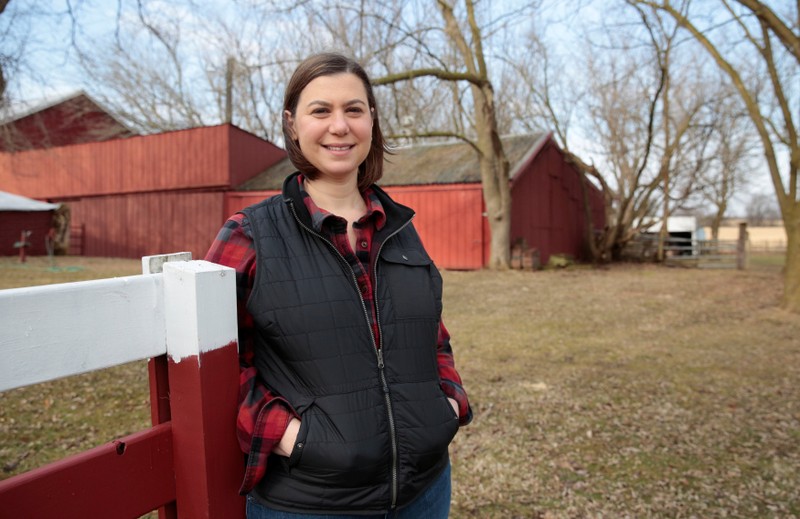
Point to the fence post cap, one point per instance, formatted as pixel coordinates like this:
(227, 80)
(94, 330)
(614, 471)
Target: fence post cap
(155, 264)
(200, 307)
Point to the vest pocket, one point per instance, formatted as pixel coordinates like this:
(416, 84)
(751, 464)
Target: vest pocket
(407, 274)
(299, 443)
(426, 424)
(322, 455)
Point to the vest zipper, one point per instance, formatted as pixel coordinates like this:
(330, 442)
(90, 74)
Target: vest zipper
(379, 350)
(392, 431)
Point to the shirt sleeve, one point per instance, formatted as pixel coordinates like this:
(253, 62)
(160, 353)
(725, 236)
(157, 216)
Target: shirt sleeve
(449, 377)
(262, 417)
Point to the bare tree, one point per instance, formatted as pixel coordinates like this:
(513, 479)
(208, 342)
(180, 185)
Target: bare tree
(644, 117)
(646, 100)
(730, 161)
(465, 36)
(538, 89)
(762, 210)
(540, 95)
(187, 66)
(773, 36)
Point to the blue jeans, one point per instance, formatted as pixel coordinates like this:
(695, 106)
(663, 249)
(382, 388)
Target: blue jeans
(434, 503)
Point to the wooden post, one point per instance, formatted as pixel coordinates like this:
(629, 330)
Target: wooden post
(200, 308)
(741, 247)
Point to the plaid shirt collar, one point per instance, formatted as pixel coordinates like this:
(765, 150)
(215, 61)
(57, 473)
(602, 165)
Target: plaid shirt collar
(319, 215)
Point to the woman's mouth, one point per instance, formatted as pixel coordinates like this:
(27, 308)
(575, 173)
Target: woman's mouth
(338, 147)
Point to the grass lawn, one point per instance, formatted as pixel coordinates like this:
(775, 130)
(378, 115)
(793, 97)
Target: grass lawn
(629, 391)
(767, 261)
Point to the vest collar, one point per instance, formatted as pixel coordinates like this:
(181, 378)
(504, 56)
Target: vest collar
(397, 215)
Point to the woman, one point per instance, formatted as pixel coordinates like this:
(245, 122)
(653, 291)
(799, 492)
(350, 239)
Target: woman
(349, 394)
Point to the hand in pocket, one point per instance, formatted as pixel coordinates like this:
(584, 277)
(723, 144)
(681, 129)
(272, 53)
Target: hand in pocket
(285, 446)
(454, 405)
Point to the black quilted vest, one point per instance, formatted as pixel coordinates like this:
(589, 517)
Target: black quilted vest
(375, 425)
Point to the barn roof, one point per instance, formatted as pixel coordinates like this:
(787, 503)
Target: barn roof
(26, 109)
(11, 202)
(446, 163)
(70, 119)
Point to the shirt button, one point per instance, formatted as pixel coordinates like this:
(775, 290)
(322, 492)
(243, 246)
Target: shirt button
(363, 287)
(364, 244)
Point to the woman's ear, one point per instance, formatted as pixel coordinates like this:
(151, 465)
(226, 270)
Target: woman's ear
(289, 121)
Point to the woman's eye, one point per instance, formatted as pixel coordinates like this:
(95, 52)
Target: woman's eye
(355, 110)
(319, 111)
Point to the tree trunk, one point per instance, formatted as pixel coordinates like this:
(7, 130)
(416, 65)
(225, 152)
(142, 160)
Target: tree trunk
(499, 250)
(791, 270)
(715, 223)
(493, 162)
(497, 198)
(494, 177)
(588, 220)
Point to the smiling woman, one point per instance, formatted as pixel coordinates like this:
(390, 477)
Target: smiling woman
(350, 397)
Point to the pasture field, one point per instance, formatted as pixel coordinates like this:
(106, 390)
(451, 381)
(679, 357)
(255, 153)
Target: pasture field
(627, 391)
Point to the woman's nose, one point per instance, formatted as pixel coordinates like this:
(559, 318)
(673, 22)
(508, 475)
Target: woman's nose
(339, 125)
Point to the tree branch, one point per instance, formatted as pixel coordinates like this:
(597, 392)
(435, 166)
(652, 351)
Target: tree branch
(750, 102)
(422, 135)
(767, 16)
(442, 74)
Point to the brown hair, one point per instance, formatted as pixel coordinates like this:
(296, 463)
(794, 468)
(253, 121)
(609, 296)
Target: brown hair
(328, 64)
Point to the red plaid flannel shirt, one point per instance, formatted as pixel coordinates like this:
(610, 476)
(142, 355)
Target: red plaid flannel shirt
(264, 416)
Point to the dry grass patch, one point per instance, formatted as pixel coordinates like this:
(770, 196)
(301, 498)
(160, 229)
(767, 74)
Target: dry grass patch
(40, 270)
(633, 391)
(626, 392)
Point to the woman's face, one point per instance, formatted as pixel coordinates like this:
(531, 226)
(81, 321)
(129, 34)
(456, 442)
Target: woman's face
(333, 124)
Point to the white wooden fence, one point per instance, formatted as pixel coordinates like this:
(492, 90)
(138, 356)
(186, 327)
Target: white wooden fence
(184, 320)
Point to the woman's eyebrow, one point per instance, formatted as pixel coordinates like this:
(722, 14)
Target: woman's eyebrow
(328, 103)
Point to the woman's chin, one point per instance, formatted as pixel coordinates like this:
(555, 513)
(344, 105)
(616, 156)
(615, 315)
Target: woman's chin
(337, 173)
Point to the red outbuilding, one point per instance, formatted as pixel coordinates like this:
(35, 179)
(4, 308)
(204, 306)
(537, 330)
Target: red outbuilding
(442, 184)
(24, 220)
(143, 195)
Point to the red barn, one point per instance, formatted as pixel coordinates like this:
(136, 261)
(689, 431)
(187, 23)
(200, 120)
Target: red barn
(144, 194)
(18, 214)
(72, 120)
(442, 184)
